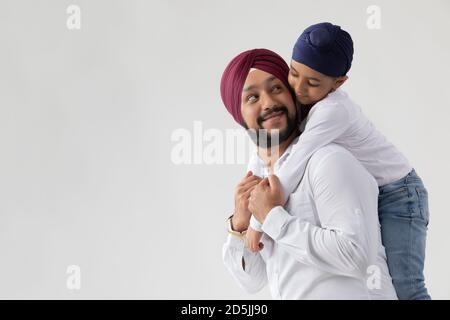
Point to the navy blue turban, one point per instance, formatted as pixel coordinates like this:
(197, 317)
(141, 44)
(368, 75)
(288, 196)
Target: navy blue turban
(325, 48)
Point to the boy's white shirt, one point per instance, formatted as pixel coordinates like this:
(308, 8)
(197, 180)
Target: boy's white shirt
(337, 119)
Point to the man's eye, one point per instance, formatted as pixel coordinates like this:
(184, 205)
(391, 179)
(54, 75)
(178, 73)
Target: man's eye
(251, 98)
(276, 88)
(293, 74)
(313, 84)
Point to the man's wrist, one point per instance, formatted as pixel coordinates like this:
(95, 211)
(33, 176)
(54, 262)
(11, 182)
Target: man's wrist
(264, 213)
(275, 222)
(238, 225)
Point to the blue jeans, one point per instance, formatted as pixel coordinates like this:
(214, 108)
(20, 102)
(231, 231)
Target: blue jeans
(404, 216)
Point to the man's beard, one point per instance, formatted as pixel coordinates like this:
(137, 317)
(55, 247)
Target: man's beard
(303, 110)
(265, 139)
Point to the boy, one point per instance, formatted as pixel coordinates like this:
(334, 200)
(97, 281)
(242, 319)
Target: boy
(321, 58)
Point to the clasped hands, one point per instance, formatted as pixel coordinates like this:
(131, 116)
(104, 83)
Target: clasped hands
(257, 196)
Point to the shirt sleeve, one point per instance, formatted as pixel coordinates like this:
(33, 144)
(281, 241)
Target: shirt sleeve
(345, 197)
(327, 122)
(247, 268)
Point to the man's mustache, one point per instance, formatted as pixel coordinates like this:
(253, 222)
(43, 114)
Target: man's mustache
(269, 112)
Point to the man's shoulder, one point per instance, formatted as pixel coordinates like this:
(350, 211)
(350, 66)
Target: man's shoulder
(328, 158)
(332, 161)
(330, 150)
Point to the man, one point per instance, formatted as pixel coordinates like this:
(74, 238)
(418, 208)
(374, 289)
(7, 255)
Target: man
(322, 243)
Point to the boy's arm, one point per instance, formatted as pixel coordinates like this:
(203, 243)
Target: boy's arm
(326, 123)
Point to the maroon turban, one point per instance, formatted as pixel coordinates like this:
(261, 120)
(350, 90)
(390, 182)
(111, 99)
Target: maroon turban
(233, 78)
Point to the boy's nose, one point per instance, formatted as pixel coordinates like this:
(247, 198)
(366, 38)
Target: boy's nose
(301, 89)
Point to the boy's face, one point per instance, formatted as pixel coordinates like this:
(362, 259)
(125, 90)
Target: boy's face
(266, 103)
(311, 86)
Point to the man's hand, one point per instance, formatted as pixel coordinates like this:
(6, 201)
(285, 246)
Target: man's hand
(252, 238)
(265, 196)
(241, 217)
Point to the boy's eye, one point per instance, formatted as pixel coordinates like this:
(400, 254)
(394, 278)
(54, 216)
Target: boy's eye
(313, 84)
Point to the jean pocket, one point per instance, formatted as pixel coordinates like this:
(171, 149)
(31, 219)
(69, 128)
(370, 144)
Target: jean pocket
(422, 194)
(395, 201)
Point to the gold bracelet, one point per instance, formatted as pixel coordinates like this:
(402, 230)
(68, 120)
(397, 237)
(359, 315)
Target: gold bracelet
(233, 232)
(240, 236)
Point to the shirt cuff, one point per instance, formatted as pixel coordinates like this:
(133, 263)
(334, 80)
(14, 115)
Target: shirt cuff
(235, 242)
(275, 221)
(255, 224)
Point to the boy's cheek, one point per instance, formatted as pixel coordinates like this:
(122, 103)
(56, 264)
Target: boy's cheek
(306, 101)
(317, 96)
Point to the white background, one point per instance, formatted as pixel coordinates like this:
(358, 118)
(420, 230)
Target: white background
(86, 117)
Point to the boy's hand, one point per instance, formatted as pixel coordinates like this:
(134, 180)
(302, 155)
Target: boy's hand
(252, 238)
(267, 194)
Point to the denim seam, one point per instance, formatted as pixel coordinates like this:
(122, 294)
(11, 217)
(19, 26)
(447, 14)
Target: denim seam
(419, 203)
(410, 276)
(410, 245)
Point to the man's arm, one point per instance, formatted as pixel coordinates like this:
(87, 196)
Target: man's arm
(346, 200)
(247, 268)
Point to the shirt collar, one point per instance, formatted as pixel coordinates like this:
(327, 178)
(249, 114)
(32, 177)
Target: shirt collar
(261, 169)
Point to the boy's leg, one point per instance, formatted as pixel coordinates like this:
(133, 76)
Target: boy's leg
(404, 216)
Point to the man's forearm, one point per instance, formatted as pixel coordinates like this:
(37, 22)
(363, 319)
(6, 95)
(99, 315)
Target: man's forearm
(238, 224)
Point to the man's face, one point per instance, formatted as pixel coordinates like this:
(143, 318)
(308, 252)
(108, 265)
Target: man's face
(266, 103)
(309, 85)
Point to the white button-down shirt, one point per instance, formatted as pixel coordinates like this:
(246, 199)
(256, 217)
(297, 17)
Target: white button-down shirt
(325, 243)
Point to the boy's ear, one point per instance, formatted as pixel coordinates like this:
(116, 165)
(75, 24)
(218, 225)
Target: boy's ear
(339, 81)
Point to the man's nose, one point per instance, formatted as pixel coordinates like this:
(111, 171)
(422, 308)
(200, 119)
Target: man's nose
(268, 102)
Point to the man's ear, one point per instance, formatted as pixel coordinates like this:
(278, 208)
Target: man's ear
(339, 81)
